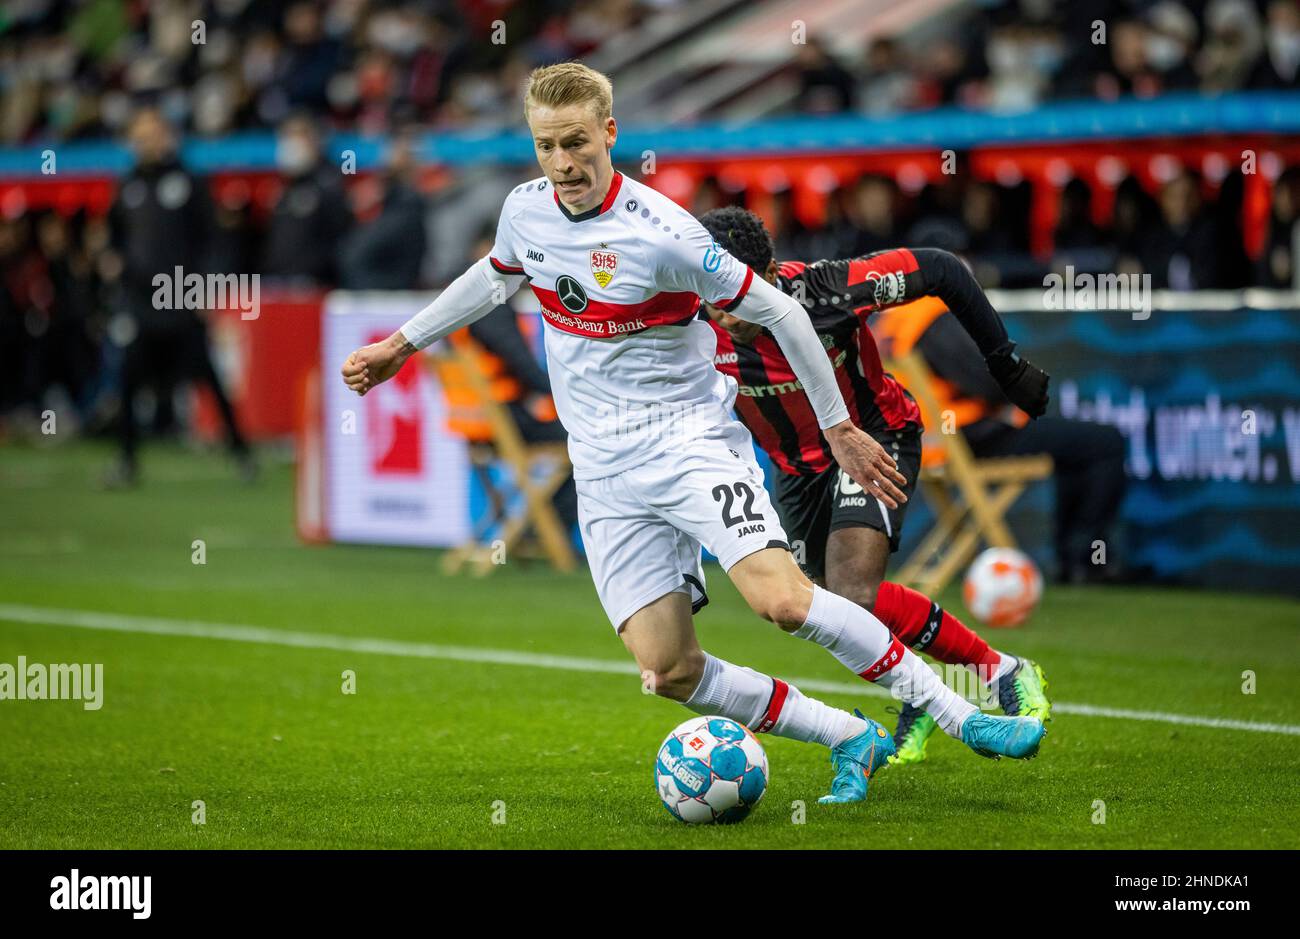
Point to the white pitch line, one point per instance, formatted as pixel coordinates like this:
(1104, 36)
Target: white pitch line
(195, 629)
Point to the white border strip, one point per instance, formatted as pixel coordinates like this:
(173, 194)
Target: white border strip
(1034, 300)
(194, 629)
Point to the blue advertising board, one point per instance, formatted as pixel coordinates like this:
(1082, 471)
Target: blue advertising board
(1208, 401)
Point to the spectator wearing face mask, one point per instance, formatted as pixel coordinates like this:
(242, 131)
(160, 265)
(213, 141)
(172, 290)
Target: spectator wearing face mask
(311, 217)
(1279, 67)
(1170, 43)
(1234, 39)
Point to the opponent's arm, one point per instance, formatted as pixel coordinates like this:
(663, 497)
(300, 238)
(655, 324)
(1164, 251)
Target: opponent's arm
(469, 297)
(890, 278)
(948, 279)
(856, 452)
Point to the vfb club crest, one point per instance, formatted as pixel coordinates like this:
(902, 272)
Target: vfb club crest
(604, 264)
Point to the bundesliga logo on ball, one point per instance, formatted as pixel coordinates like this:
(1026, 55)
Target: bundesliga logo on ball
(711, 770)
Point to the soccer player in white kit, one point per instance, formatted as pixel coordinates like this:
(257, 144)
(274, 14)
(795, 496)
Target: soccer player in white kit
(660, 464)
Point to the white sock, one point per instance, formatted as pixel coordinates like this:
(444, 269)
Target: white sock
(910, 680)
(769, 705)
(866, 647)
(1006, 665)
(847, 631)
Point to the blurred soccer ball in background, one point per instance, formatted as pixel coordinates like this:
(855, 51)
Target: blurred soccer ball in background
(1002, 587)
(711, 770)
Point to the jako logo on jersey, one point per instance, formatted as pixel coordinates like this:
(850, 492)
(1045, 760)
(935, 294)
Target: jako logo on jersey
(537, 256)
(604, 265)
(887, 288)
(571, 294)
(729, 358)
(713, 257)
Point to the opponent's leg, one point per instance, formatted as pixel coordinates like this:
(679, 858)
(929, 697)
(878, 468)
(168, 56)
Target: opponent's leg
(855, 567)
(778, 591)
(661, 637)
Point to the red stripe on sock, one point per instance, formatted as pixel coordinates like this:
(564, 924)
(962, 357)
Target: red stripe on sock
(893, 655)
(774, 704)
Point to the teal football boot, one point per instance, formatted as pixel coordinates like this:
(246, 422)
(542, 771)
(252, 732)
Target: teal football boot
(856, 760)
(995, 737)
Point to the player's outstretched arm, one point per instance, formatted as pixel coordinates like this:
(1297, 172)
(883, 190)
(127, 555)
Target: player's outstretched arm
(469, 297)
(856, 452)
(888, 278)
(948, 279)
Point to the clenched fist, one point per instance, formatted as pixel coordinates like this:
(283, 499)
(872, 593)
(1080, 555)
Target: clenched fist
(1024, 383)
(376, 363)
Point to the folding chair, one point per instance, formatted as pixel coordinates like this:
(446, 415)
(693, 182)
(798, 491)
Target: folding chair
(529, 526)
(970, 496)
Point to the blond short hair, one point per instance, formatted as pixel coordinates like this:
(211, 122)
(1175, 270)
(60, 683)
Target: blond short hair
(557, 86)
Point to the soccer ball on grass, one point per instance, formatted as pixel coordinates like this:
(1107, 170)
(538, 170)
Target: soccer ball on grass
(1002, 587)
(711, 770)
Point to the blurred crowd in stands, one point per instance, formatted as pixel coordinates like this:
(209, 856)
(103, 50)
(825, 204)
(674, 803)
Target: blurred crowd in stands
(1015, 54)
(73, 67)
(1187, 234)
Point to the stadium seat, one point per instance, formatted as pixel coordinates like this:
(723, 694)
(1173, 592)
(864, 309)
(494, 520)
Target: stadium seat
(524, 518)
(970, 497)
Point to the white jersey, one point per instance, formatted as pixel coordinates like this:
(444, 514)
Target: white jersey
(620, 286)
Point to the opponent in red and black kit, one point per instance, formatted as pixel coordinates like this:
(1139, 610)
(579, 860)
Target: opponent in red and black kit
(847, 533)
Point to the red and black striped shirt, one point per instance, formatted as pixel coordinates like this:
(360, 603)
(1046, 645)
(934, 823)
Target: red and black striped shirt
(838, 296)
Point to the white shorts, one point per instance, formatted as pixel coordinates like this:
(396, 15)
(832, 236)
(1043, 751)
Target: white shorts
(643, 527)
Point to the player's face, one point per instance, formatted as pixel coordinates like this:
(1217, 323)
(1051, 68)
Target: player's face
(740, 330)
(573, 147)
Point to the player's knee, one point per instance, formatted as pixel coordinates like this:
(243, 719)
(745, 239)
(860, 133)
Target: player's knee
(679, 678)
(786, 606)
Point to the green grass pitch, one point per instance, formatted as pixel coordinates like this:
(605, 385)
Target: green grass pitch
(432, 751)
